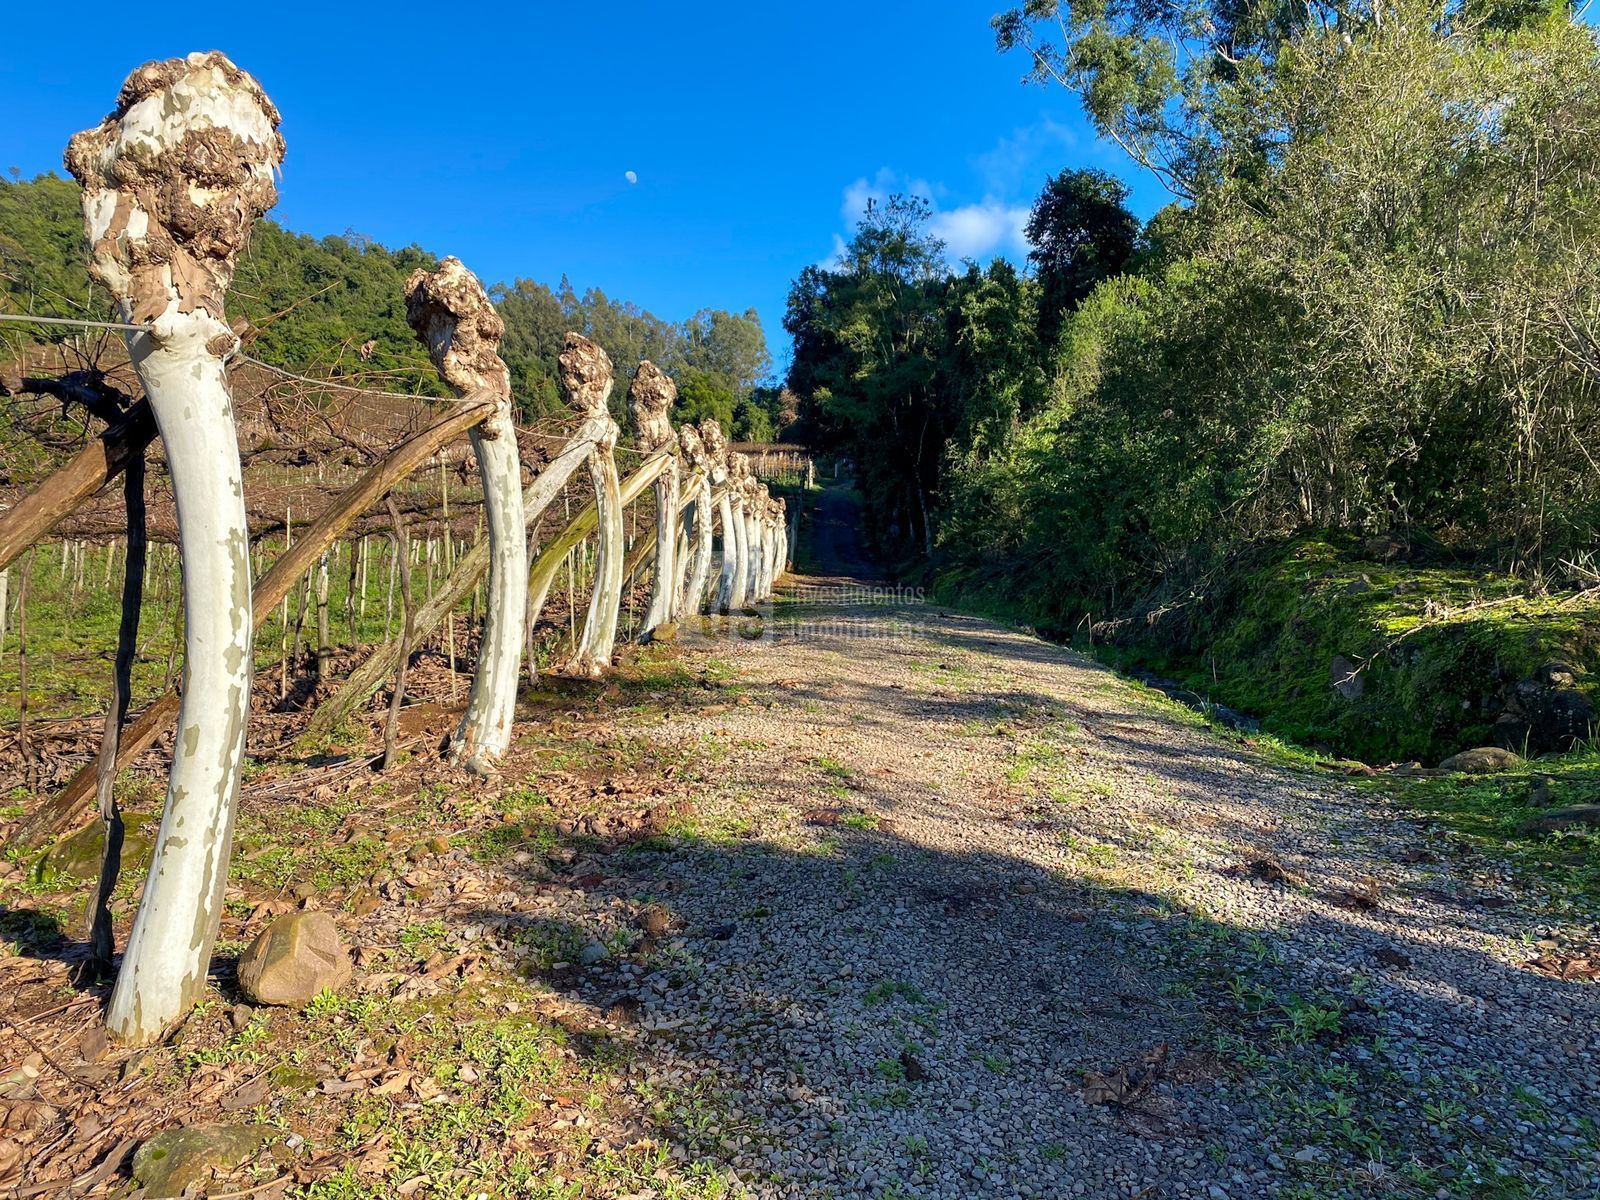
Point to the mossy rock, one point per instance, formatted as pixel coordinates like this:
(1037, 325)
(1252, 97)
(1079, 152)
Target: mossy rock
(176, 1159)
(78, 855)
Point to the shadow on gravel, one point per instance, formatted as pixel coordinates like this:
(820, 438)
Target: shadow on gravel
(875, 1015)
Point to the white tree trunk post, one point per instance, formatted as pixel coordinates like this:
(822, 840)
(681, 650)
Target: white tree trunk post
(695, 571)
(650, 400)
(717, 453)
(759, 548)
(761, 535)
(740, 482)
(586, 378)
(451, 315)
(764, 588)
(172, 181)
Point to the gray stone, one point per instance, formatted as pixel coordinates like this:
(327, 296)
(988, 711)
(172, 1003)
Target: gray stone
(177, 1158)
(1563, 818)
(293, 959)
(1484, 760)
(78, 856)
(1342, 673)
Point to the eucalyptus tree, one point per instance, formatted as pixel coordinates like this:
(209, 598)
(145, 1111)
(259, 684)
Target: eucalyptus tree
(172, 182)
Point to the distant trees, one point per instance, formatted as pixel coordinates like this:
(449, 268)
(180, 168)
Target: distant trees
(1081, 232)
(1375, 309)
(333, 305)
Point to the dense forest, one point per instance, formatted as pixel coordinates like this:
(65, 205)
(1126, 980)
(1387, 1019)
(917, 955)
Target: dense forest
(334, 307)
(1370, 311)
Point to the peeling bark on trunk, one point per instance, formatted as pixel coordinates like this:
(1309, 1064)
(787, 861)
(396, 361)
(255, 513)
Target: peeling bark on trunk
(599, 637)
(650, 400)
(697, 525)
(738, 586)
(721, 481)
(542, 575)
(453, 317)
(172, 182)
(369, 676)
(586, 378)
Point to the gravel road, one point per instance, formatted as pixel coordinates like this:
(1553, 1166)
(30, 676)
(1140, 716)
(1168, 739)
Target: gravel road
(963, 914)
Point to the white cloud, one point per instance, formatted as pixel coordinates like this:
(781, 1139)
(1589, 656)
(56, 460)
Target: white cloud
(835, 260)
(1020, 163)
(631, 176)
(980, 231)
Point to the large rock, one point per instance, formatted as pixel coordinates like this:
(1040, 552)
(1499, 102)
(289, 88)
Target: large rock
(1346, 678)
(176, 1159)
(1563, 818)
(293, 959)
(1548, 711)
(78, 856)
(1484, 760)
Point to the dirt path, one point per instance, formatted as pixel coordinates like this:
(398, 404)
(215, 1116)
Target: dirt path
(963, 914)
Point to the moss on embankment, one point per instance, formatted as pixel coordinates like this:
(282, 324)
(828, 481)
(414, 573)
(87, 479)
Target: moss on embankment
(1382, 660)
(1427, 659)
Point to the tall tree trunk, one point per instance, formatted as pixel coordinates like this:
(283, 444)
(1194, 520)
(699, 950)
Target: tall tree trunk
(166, 249)
(453, 317)
(369, 676)
(650, 400)
(586, 377)
(599, 637)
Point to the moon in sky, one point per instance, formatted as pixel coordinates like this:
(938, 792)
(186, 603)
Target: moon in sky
(631, 176)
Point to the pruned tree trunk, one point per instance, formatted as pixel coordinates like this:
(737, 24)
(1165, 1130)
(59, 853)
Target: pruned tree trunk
(542, 575)
(586, 378)
(172, 182)
(737, 535)
(452, 315)
(650, 400)
(599, 638)
(369, 676)
(697, 520)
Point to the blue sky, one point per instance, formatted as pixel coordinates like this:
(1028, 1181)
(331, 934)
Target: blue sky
(755, 130)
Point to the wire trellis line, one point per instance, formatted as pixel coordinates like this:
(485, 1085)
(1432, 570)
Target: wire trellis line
(78, 322)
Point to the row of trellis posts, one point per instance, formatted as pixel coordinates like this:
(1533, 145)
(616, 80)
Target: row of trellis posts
(172, 181)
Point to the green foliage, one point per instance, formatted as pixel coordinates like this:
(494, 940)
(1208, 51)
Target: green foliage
(1081, 232)
(893, 360)
(1372, 315)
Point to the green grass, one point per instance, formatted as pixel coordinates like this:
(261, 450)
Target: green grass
(1487, 814)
